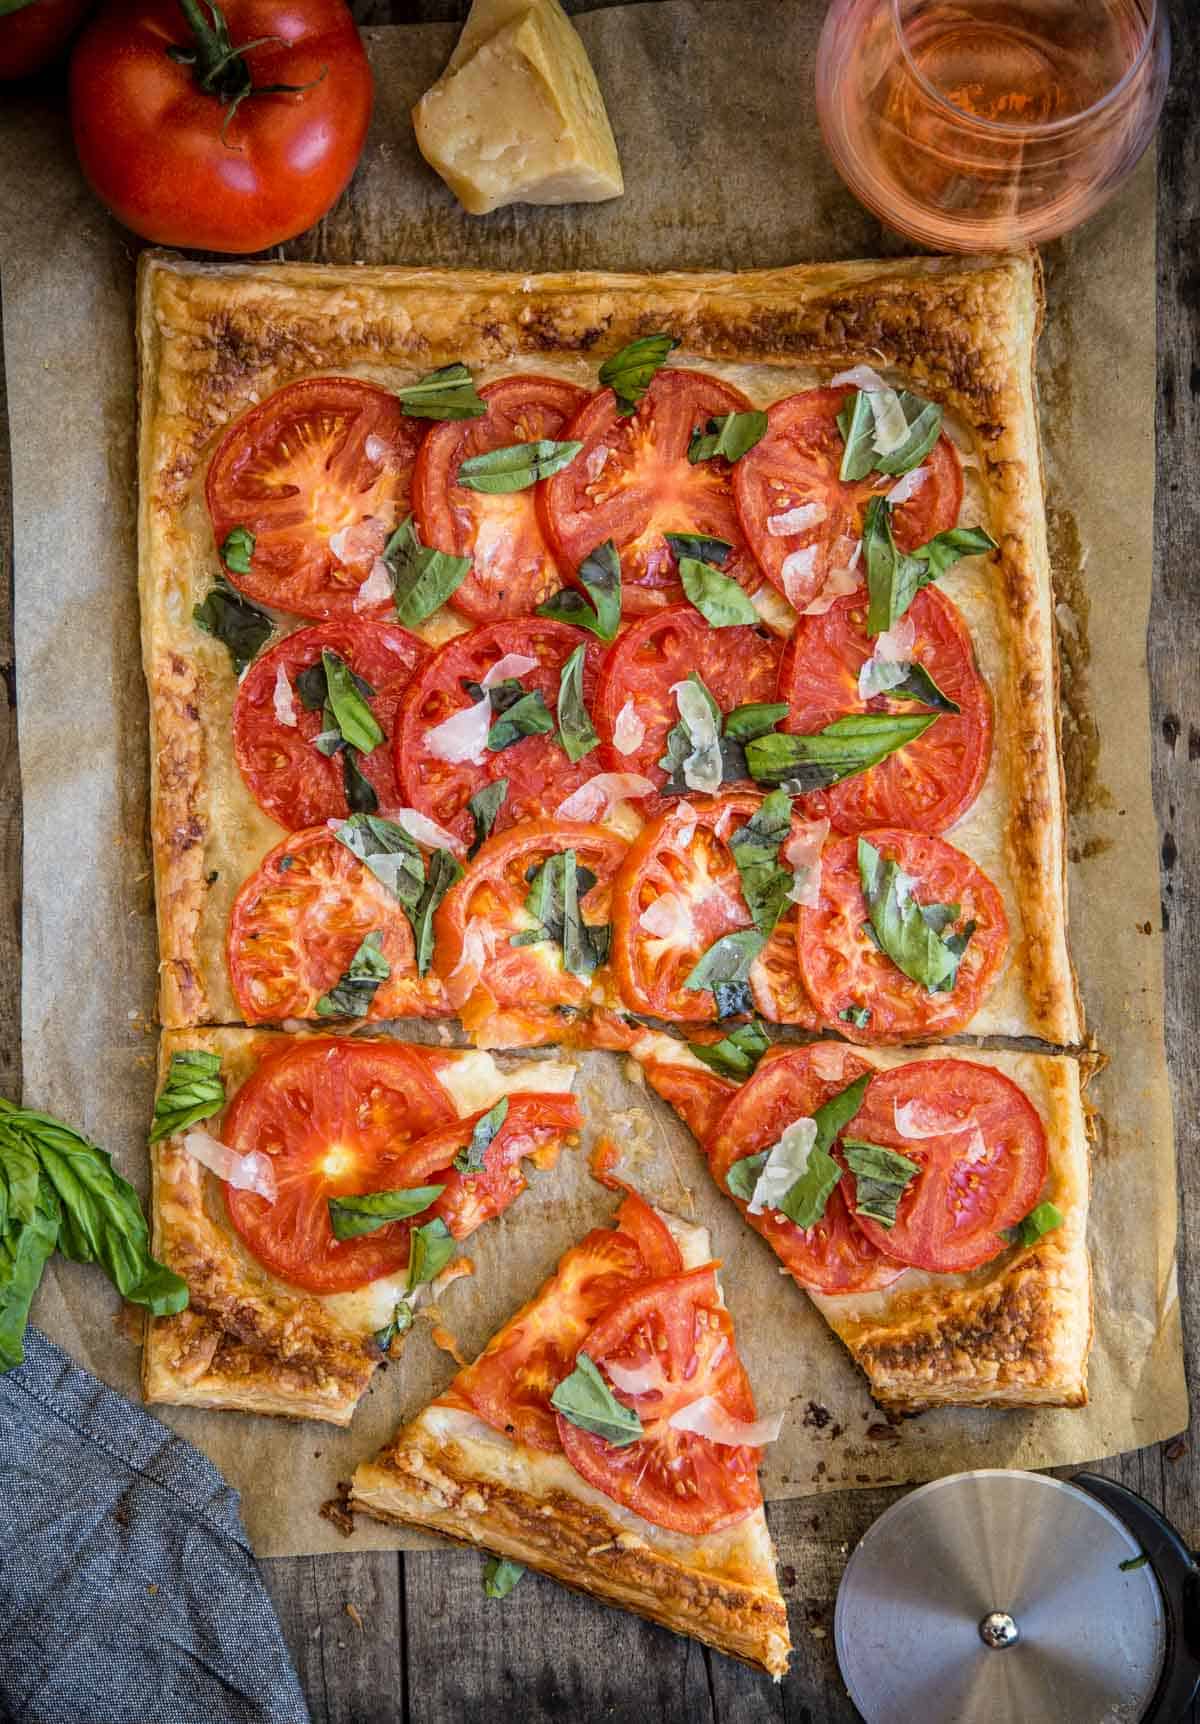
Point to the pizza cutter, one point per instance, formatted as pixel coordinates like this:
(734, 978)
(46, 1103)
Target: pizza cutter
(1000, 1597)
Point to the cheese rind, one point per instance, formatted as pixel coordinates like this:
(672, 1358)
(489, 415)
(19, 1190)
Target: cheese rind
(521, 119)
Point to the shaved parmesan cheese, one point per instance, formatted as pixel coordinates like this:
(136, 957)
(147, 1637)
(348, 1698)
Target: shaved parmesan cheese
(708, 1418)
(253, 1172)
(917, 1120)
(463, 736)
(597, 796)
(908, 486)
(798, 571)
(425, 831)
(828, 1061)
(797, 520)
(647, 1379)
(802, 853)
(513, 664)
(891, 427)
(840, 582)
(629, 731)
(860, 376)
(897, 643)
(783, 1167)
(475, 1081)
(596, 461)
(479, 942)
(686, 830)
(702, 770)
(285, 706)
(376, 589)
(668, 918)
(891, 661)
(361, 543)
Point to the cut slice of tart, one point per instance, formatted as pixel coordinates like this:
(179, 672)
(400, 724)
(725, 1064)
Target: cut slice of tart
(607, 1436)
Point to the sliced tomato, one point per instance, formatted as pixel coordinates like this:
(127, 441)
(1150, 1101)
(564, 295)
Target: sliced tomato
(676, 1479)
(796, 465)
(539, 774)
(775, 980)
(289, 778)
(320, 464)
(632, 482)
(843, 966)
(737, 666)
(297, 923)
(513, 568)
(335, 1116)
(834, 1255)
(698, 1097)
(982, 1174)
(476, 920)
(655, 1240)
(930, 784)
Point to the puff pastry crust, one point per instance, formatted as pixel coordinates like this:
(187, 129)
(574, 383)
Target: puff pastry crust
(214, 338)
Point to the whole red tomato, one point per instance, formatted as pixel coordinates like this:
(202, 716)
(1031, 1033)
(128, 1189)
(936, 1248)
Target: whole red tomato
(221, 130)
(32, 34)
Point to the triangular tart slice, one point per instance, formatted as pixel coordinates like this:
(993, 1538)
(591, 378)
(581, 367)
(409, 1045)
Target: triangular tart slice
(622, 1488)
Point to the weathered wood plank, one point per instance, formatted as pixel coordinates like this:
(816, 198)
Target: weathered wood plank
(342, 1617)
(10, 791)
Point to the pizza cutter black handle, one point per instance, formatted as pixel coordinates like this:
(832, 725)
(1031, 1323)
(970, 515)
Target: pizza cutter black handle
(1178, 1578)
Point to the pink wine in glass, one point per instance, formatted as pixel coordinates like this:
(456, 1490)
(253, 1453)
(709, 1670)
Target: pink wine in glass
(970, 124)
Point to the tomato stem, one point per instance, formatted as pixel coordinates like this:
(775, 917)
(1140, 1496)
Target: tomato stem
(220, 68)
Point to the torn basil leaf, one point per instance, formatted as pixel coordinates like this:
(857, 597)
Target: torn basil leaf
(352, 1216)
(630, 372)
(915, 943)
(240, 626)
(357, 723)
(527, 716)
(804, 1204)
(1042, 1219)
(576, 734)
(730, 436)
(805, 1200)
(422, 578)
(388, 851)
(238, 549)
(718, 598)
(735, 1055)
(918, 685)
(924, 420)
(444, 871)
(193, 1091)
(755, 848)
(881, 1177)
(447, 393)
(705, 550)
(858, 424)
(399, 1323)
(728, 961)
(352, 996)
(695, 758)
(470, 1160)
(553, 902)
(895, 577)
(516, 467)
(944, 549)
(859, 1016)
(358, 789)
(743, 1176)
(587, 1401)
(835, 1115)
(483, 808)
(600, 611)
(801, 764)
(431, 1247)
(500, 1575)
(756, 718)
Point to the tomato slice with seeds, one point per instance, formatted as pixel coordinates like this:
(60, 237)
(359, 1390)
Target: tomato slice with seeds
(335, 1116)
(776, 982)
(320, 464)
(513, 568)
(930, 784)
(289, 778)
(737, 665)
(795, 468)
(835, 1255)
(632, 482)
(539, 774)
(983, 1173)
(297, 923)
(843, 966)
(698, 1097)
(654, 1238)
(676, 1479)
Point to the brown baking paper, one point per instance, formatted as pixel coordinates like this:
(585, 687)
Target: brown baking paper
(712, 104)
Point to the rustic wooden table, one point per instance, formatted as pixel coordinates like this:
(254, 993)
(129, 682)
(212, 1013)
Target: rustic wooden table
(410, 1639)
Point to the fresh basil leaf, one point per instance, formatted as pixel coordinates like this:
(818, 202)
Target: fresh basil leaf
(19, 1175)
(352, 1216)
(484, 807)
(501, 694)
(388, 851)
(755, 847)
(238, 549)
(399, 1323)
(805, 1202)
(880, 1178)
(516, 467)
(920, 951)
(768, 826)
(430, 1249)
(704, 549)
(353, 994)
(553, 901)
(756, 718)
(25, 1248)
(587, 1401)
(240, 626)
(470, 1160)
(1133, 1562)
(735, 1055)
(500, 1575)
(944, 549)
(801, 764)
(924, 419)
(575, 732)
(743, 1176)
(857, 425)
(193, 1091)
(528, 716)
(682, 747)
(444, 871)
(1042, 1219)
(859, 1016)
(447, 393)
(600, 611)
(894, 577)
(354, 718)
(835, 1115)
(422, 578)
(356, 787)
(729, 436)
(630, 372)
(718, 598)
(918, 685)
(727, 960)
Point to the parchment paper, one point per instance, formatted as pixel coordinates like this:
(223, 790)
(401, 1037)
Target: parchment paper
(711, 100)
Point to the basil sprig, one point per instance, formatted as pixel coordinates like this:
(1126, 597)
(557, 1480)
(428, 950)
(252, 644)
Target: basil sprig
(856, 421)
(238, 549)
(447, 393)
(516, 467)
(193, 1091)
(911, 934)
(699, 545)
(471, 1159)
(724, 969)
(430, 1248)
(718, 598)
(587, 1401)
(881, 1177)
(801, 764)
(755, 848)
(895, 577)
(576, 734)
(737, 1054)
(729, 436)
(350, 1217)
(353, 994)
(500, 1575)
(630, 372)
(483, 808)
(231, 619)
(395, 859)
(556, 888)
(600, 611)
(422, 578)
(1042, 1219)
(804, 1203)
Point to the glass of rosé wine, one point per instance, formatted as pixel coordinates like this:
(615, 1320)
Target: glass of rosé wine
(975, 124)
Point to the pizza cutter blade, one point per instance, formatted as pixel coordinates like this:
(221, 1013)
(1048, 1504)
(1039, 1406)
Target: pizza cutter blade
(998, 1597)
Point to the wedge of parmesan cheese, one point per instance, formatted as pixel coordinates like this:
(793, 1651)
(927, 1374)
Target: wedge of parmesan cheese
(517, 116)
